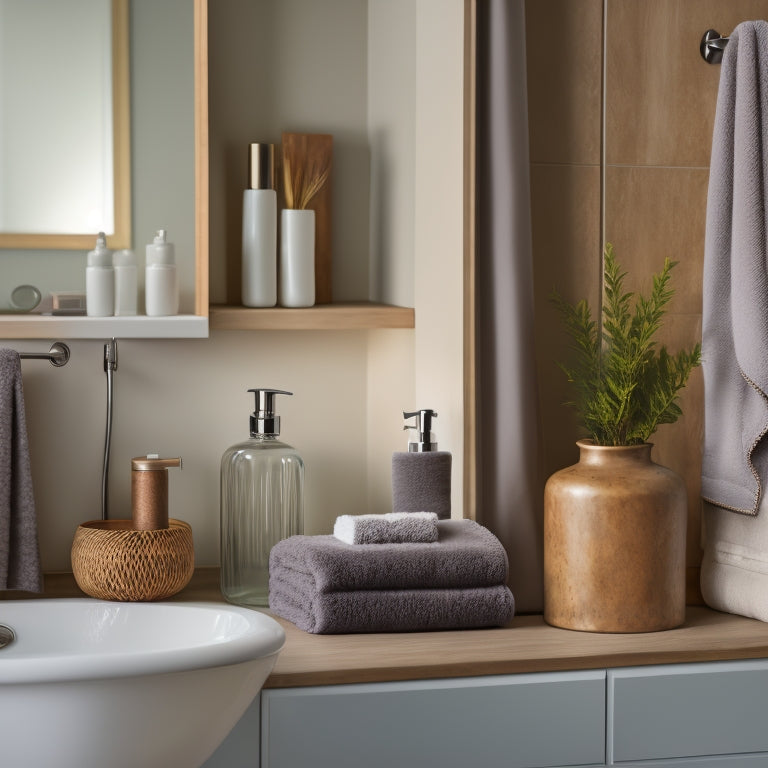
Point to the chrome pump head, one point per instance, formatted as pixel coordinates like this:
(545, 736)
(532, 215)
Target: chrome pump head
(264, 421)
(426, 438)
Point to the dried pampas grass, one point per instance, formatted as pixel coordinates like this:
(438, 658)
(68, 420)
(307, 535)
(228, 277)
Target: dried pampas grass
(305, 172)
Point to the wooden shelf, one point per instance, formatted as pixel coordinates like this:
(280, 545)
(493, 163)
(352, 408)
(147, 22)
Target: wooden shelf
(82, 327)
(323, 317)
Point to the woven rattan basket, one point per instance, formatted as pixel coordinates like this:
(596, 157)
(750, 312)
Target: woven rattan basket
(112, 561)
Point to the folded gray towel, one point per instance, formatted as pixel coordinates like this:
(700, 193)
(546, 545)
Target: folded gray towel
(465, 555)
(405, 610)
(392, 528)
(19, 553)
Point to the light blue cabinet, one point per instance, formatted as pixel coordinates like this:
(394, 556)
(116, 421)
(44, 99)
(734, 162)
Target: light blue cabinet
(708, 715)
(519, 721)
(688, 710)
(241, 748)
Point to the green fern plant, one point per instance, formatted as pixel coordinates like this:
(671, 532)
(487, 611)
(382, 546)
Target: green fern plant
(625, 386)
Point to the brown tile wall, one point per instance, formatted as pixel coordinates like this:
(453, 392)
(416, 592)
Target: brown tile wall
(660, 99)
(564, 57)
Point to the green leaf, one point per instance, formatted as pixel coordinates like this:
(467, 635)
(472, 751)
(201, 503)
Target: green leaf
(625, 385)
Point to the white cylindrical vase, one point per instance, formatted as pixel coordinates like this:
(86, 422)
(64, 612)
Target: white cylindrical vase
(259, 259)
(297, 258)
(259, 265)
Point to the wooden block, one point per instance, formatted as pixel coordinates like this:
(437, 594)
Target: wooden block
(305, 154)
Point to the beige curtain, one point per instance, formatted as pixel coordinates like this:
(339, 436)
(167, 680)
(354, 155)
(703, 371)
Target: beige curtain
(509, 479)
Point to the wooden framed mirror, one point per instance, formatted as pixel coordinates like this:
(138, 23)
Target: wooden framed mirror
(65, 169)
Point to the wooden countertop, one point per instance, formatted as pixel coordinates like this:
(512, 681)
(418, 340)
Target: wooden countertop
(527, 644)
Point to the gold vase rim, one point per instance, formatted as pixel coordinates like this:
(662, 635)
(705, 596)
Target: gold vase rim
(588, 442)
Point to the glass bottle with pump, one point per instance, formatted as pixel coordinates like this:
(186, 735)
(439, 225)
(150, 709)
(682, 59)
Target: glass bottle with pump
(262, 502)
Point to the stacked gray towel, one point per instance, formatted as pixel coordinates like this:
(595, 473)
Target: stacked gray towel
(19, 554)
(325, 586)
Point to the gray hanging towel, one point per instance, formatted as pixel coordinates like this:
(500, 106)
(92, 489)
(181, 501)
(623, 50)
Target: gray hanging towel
(735, 311)
(19, 553)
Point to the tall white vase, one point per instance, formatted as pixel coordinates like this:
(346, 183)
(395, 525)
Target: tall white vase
(297, 258)
(259, 260)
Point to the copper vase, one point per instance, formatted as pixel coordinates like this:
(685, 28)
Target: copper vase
(614, 542)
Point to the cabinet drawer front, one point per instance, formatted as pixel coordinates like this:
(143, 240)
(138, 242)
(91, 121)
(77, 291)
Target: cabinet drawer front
(687, 710)
(513, 721)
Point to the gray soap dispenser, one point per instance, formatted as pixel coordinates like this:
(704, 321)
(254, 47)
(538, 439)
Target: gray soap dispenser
(421, 478)
(262, 502)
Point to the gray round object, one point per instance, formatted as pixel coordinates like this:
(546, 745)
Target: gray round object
(25, 297)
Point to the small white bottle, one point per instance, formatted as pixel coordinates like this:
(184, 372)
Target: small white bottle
(259, 256)
(162, 282)
(100, 280)
(126, 282)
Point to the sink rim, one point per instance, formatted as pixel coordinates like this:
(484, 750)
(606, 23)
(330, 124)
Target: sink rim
(259, 637)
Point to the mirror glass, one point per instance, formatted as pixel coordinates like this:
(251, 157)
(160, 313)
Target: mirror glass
(64, 144)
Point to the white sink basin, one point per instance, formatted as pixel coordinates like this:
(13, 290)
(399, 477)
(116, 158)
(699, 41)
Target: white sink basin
(93, 684)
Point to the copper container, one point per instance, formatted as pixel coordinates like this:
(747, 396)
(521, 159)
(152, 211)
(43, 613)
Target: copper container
(614, 542)
(149, 491)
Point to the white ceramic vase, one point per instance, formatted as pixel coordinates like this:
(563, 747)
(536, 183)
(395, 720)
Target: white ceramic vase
(297, 258)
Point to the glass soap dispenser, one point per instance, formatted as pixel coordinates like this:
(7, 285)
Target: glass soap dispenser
(262, 502)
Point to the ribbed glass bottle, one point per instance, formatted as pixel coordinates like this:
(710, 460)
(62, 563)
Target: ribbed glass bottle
(262, 502)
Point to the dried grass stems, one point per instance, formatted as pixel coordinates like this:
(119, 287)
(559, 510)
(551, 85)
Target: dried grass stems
(302, 181)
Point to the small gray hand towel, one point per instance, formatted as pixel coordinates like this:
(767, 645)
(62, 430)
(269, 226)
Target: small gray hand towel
(465, 555)
(392, 528)
(735, 308)
(19, 553)
(406, 610)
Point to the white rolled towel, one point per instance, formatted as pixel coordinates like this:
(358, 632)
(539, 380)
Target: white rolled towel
(392, 528)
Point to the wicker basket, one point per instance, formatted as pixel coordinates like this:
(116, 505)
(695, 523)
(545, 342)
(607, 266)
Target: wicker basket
(112, 561)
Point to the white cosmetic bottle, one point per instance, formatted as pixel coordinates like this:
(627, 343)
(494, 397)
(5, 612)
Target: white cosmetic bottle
(126, 282)
(162, 284)
(100, 280)
(259, 258)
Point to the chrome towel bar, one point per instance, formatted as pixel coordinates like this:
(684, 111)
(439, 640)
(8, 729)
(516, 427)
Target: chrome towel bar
(58, 354)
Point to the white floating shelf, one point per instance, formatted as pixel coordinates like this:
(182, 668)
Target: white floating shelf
(80, 327)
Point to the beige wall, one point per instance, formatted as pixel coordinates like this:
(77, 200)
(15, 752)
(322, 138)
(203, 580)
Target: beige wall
(189, 397)
(439, 234)
(659, 106)
(289, 66)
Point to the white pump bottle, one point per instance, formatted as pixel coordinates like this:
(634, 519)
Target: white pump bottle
(162, 282)
(100, 280)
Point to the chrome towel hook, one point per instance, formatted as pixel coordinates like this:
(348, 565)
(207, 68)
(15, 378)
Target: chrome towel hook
(712, 46)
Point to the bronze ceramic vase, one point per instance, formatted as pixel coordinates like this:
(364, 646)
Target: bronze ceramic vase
(614, 542)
